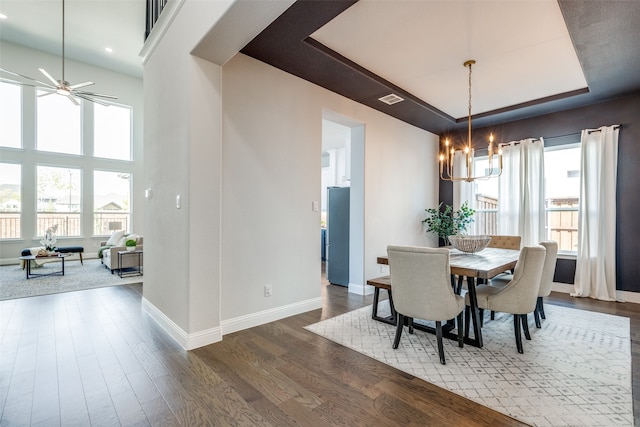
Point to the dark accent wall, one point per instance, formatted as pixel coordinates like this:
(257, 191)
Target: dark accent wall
(554, 128)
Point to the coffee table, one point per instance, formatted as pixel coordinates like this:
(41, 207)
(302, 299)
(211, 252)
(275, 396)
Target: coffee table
(29, 258)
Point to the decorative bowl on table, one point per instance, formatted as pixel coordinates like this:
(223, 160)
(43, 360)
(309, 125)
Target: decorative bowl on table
(470, 244)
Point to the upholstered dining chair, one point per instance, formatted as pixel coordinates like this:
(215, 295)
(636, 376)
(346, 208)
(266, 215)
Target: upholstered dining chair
(519, 297)
(505, 242)
(420, 280)
(546, 281)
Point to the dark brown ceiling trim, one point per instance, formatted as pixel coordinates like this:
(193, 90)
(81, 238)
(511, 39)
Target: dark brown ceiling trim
(386, 86)
(526, 104)
(594, 26)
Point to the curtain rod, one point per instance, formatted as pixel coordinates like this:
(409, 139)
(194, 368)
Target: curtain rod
(598, 130)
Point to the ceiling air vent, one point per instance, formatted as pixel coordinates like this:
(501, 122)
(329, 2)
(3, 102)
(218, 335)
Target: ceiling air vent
(391, 99)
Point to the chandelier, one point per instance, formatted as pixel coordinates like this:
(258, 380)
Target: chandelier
(447, 158)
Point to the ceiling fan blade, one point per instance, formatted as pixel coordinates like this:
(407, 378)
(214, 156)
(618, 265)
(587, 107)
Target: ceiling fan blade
(81, 92)
(46, 94)
(47, 75)
(97, 101)
(24, 77)
(72, 99)
(79, 85)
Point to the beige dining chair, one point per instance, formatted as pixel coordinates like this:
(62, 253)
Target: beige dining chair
(546, 281)
(519, 297)
(505, 242)
(420, 280)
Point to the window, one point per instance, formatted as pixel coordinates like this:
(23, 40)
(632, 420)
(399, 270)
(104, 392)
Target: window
(58, 124)
(112, 132)
(10, 115)
(111, 202)
(562, 193)
(10, 200)
(58, 200)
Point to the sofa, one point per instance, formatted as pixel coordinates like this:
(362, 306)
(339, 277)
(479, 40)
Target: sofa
(108, 253)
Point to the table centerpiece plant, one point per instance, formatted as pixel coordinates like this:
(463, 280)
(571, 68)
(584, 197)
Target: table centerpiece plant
(447, 222)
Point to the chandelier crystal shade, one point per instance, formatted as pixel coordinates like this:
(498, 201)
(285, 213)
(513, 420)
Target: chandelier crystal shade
(447, 172)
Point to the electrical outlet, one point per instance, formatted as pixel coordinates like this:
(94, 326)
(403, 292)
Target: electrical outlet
(267, 290)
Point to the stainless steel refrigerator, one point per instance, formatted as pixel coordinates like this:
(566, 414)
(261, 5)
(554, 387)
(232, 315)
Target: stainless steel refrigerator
(338, 235)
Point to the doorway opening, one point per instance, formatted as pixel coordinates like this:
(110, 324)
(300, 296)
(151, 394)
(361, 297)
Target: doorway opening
(342, 202)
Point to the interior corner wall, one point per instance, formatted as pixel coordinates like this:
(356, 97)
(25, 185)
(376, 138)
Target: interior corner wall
(271, 152)
(183, 135)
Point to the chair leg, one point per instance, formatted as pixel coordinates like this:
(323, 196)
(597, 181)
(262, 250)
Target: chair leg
(516, 328)
(525, 326)
(399, 327)
(541, 310)
(394, 315)
(536, 317)
(493, 315)
(460, 336)
(481, 311)
(467, 318)
(459, 288)
(439, 337)
(411, 325)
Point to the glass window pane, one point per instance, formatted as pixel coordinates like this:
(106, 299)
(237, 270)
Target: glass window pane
(59, 200)
(58, 124)
(10, 200)
(10, 115)
(111, 202)
(562, 193)
(112, 132)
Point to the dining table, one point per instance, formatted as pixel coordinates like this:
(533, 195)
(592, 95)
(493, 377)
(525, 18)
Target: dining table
(483, 266)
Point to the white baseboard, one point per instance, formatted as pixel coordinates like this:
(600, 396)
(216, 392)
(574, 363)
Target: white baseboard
(187, 341)
(356, 288)
(260, 318)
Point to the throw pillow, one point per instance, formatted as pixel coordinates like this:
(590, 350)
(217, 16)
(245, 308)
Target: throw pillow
(127, 237)
(115, 238)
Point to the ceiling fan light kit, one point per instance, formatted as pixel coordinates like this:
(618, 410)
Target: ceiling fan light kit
(62, 86)
(447, 172)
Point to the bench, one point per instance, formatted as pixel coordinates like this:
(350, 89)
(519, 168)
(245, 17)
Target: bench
(378, 283)
(63, 249)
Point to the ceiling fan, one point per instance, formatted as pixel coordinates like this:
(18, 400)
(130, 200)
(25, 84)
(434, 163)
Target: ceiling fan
(61, 87)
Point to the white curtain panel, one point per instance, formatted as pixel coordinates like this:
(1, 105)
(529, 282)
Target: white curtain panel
(596, 263)
(521, 191)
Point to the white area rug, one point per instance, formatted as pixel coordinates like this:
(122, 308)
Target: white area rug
(576, 370)
(13, 282)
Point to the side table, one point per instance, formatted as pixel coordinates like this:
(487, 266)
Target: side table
(135, 271)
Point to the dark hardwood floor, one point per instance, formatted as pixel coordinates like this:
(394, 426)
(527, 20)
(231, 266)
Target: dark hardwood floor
(94, 358)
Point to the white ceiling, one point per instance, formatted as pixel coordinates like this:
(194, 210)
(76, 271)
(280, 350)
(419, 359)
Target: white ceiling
(90, 26)
(522, 48)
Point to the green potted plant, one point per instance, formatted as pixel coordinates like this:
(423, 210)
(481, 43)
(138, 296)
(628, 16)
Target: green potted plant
(447, 222)
(130, 244)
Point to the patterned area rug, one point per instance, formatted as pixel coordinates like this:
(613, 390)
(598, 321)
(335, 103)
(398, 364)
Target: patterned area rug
(575, 371)
(13, 282)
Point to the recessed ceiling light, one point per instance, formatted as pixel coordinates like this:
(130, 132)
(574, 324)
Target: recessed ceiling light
(108, 49)
(3, 16)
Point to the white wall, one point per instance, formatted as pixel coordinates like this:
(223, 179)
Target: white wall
(129, 92)
(271, 153)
